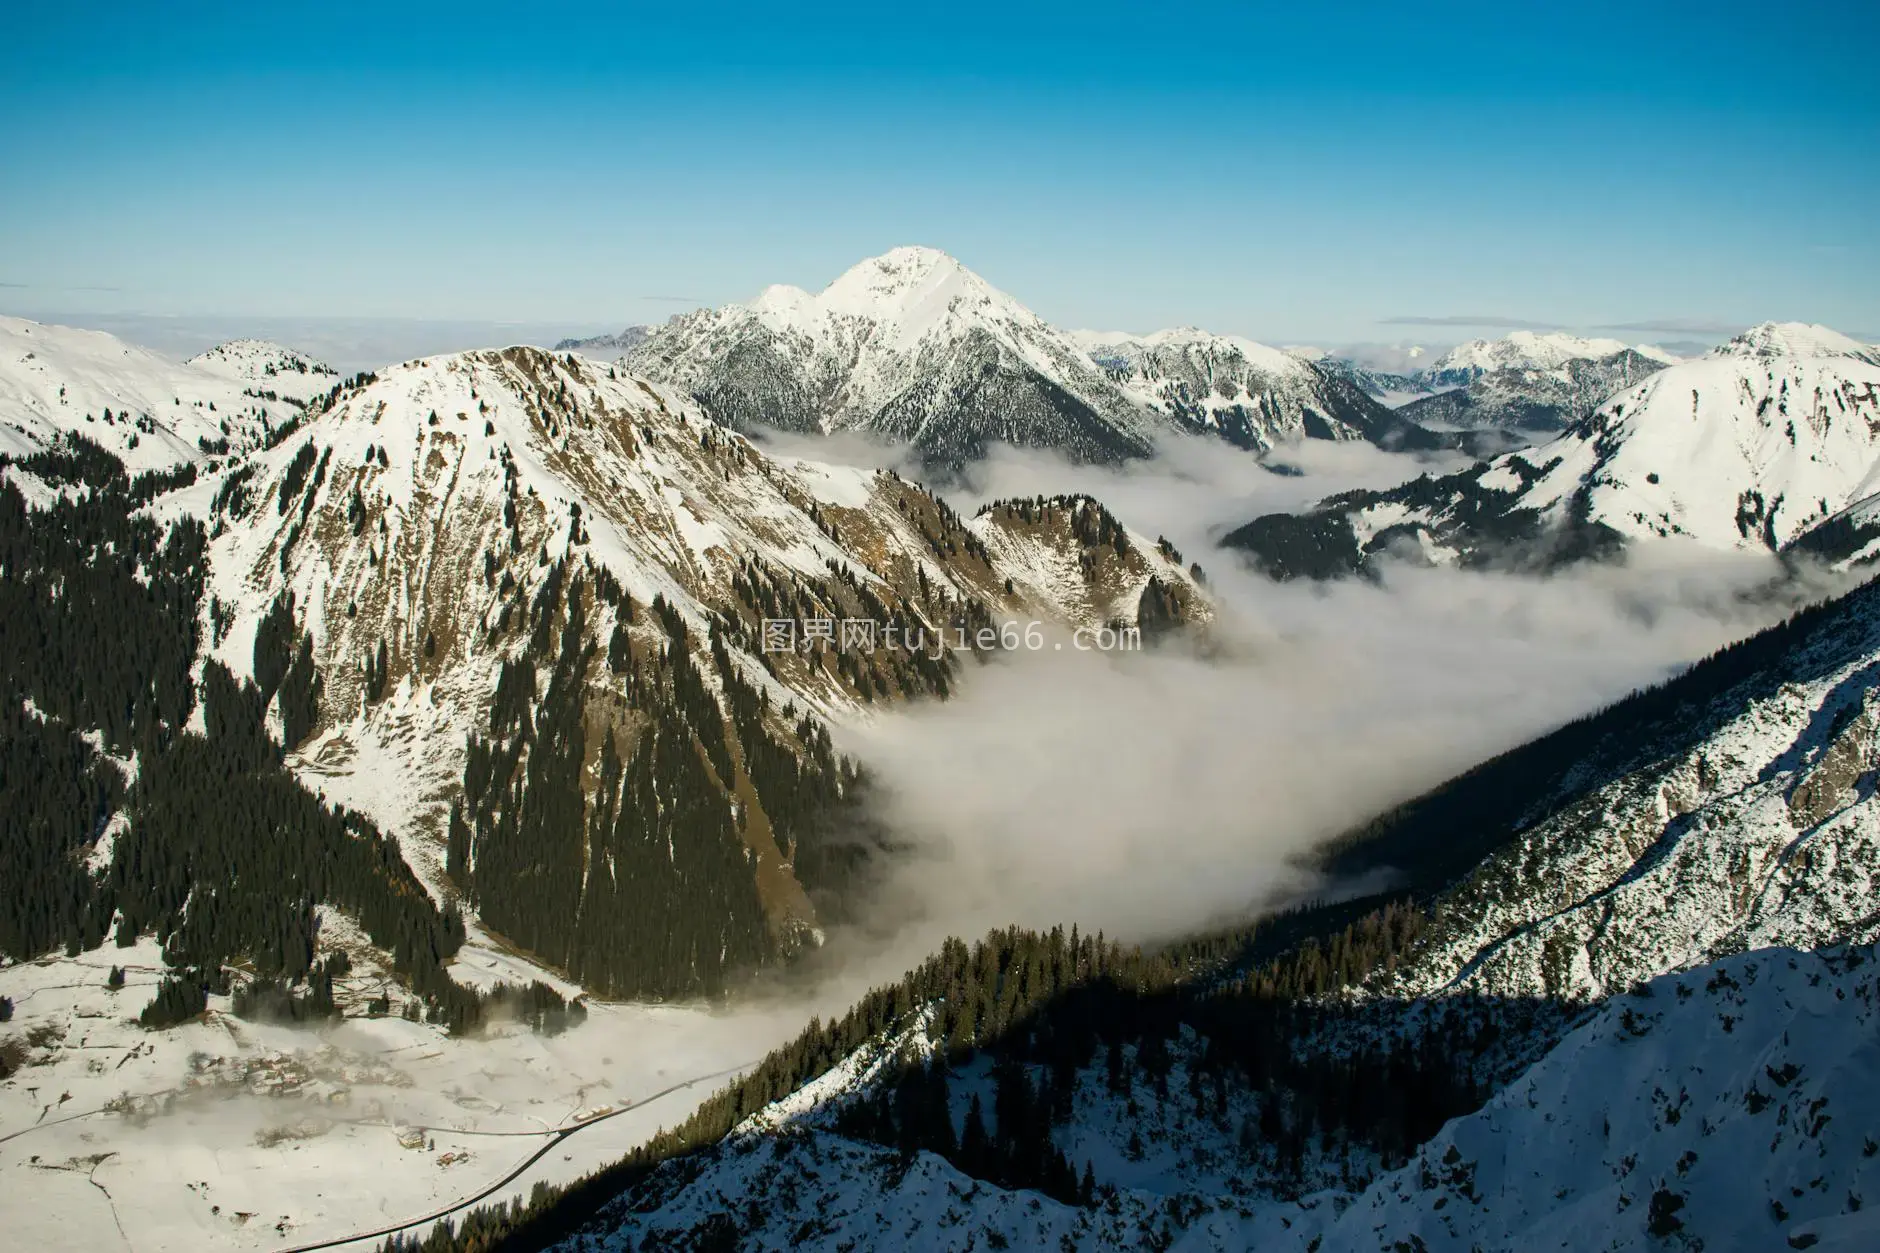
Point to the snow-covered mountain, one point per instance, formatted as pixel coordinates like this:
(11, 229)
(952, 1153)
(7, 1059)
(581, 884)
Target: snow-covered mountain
(1539, 399)
(268, 367)
(914, 347)
(1529, 350)
(617, 343)
(422, 526)
(1247, 393)
(424, 537)
(909, 345)
(148, 411)
(1750, 446)
(1391, 389)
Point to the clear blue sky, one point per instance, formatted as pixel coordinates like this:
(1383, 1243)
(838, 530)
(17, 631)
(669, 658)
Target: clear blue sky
(1286, 171)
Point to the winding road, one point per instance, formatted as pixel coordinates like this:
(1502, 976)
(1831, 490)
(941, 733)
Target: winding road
(556, 1135)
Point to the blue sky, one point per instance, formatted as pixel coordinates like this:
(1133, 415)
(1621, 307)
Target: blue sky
(1289, 172)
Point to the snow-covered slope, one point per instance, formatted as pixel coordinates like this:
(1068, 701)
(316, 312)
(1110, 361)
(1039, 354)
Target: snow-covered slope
(268, 367)
(1797, 339)
(1248, 393)
(1738, 815)
(910, 345)
(1725, 1108)
(1728, 1107)
(1748, 447)
(148, 411)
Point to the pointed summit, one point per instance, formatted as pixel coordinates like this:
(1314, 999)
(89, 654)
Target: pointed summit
(900, 269)
(910, 345)
(914, 288)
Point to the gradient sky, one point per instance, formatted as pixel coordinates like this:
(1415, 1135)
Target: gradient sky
(1295, 173)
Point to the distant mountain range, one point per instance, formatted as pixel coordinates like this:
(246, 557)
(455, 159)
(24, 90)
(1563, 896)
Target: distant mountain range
(619, 342)
(912, 346)
(1530, 399)
(1754, 445)
(1529, 350)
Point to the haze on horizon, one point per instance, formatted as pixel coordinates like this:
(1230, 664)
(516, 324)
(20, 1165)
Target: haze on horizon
(1654, 173)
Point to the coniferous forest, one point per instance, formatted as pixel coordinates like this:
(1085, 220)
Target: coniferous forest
(638, 877)
(122, 822)
(618, 847)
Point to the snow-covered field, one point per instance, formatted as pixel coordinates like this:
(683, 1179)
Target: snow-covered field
(229, 1134)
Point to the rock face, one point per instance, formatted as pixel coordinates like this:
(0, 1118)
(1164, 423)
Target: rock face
(617, 344)
(512, 606)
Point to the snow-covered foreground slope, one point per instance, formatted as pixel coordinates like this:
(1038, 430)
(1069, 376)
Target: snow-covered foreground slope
(1748, 447)
(1728, 1106)
(148, 411)
(231, 1134)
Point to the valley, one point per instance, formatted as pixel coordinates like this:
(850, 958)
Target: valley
(423, 819)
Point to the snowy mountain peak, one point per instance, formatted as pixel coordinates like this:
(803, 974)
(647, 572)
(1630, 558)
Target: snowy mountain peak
(899, 271)
(1534, 350)
(909, 292)
(1194, 341)
(784, 303)
(270, 366)
(1795, 339)
(910, 345)
(915, 289)
(254, 351)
